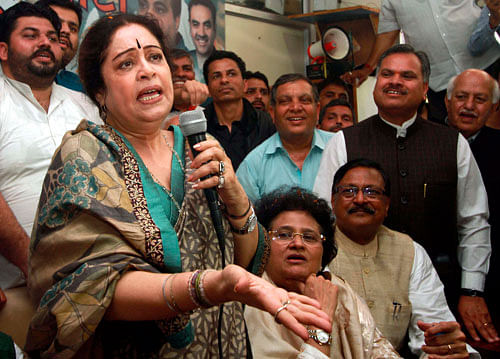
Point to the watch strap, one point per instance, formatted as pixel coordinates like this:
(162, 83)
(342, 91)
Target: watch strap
(248, 226)
(471, 292)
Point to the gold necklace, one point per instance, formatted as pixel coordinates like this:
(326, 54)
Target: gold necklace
(169, 193)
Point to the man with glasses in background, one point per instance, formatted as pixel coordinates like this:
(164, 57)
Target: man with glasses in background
(391, 272)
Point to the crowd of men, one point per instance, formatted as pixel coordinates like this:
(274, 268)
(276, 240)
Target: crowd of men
(416, 202)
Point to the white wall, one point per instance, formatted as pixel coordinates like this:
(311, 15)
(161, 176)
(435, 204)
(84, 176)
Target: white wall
(270, 47)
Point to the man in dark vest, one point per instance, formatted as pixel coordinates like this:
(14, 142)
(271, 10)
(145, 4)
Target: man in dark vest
(438, 196)
(471, 98)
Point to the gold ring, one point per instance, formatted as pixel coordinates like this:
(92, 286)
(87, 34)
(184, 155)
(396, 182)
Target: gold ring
(283, 307)
(450, 350)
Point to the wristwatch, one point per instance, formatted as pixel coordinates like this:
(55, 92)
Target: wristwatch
(249, 225)
(320, 336)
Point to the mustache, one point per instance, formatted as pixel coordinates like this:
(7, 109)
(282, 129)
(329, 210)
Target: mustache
(468, 112)
(43, 50)
(362, 208)
(67, 42)
(397, 88)
(201, 37)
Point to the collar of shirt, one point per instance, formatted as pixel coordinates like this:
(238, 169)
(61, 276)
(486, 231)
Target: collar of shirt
(56, 97)
(360, 250)
(473, 137)
(275, 142)
(401, 130)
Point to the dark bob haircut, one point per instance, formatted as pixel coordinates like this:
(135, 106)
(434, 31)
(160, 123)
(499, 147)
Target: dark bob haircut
(362, 162)
(9, 18)
(288, 198)
(93, 49)
(219, 55)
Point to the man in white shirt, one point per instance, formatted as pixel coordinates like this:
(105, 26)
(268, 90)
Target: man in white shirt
(34, 115)
(438, 195)
(393, 274)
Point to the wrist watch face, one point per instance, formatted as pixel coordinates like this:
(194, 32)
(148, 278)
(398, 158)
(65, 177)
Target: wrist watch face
(323, 336)
(252, 222)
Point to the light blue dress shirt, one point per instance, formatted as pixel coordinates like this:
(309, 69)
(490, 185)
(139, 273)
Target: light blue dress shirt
(269, 166)
(483, 36)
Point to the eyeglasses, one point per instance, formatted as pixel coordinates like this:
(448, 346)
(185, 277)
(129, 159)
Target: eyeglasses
(352, 191)
(287, 236)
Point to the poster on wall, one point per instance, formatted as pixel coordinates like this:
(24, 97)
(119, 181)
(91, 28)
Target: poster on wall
(193, 25)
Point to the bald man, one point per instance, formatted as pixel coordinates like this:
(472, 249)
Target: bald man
(471, 98)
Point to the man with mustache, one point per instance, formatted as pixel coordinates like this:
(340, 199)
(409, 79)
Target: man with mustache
(393, 274)
(34, 115)
(471, 97)
(257, 90)
(336, 115)
(231, 119)
(438, 195)
(292, 155)
(202, 25)
(70, 15)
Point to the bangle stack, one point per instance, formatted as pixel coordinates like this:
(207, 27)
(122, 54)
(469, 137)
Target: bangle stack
(196, 289)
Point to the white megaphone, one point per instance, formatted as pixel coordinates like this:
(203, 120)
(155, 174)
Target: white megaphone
(334, 44)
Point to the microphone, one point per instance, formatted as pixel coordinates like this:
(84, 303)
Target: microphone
(193, 125)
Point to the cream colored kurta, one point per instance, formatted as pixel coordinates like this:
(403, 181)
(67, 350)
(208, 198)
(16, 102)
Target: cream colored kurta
(380, 273)
(354, 335)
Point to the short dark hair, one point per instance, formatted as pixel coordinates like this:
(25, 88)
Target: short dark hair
(208, 4)
(362, 162)
(93, 49)
(219, 55)
(283, 79)
(179, 53)
(408, 49)
(333, 81)
(256, 75)
(9, 18)
(336, 102)
(67, 4)
(287, 198)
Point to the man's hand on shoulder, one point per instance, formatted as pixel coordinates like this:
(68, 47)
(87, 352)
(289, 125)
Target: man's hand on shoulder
(476, 317)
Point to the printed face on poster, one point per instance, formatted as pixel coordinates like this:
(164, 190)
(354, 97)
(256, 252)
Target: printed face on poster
(193, 25)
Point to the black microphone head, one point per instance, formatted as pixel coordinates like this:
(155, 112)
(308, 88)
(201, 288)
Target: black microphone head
(192, 122)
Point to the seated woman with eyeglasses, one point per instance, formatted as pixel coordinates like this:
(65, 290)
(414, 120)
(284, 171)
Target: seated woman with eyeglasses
(301, 228)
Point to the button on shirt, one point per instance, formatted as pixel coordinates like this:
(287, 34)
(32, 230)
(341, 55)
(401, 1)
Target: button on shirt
(29, 137)
(441, 28)
(269, 166)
